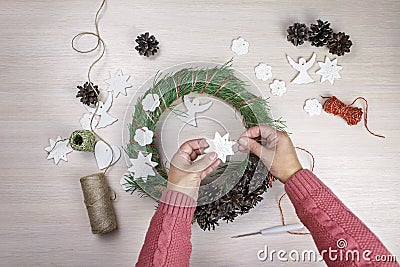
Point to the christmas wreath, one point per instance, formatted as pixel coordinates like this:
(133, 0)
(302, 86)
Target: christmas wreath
(236, 187)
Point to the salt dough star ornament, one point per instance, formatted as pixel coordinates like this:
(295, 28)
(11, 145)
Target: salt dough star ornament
(329, 70)
(302, 67)
(105, 118)
(118, 83)
(220, 145)
(58, 149)
(142, 167)
(193, 107)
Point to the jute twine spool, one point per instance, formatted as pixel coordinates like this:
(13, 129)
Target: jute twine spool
(98, 203)
(82, 140)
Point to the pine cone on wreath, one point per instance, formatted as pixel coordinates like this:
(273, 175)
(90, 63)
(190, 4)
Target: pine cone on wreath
(297, 33)
(320, 33)
(88, 93)
(147, 44)
(339, 44)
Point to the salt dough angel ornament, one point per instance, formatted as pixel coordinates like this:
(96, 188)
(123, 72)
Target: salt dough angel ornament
(302, 67)
(193, 107)
(105, 118)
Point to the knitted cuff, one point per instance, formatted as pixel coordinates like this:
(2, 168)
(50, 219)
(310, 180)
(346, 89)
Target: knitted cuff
(177, 204)
(302, 184)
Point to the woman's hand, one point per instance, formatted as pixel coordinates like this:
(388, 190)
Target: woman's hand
(274, 148)
(186, 173)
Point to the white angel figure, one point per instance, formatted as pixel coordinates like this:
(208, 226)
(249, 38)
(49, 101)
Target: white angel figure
(105, 118)
(302, 67)
(193, 107)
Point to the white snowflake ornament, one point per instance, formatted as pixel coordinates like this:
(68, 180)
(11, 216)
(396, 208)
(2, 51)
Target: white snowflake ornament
(278, 88)
(85, 121)
(58, 149)
(263, 71)
(220, 145)
(142, 167)
(143, 136)
(240, 46)
(151, 102)
(329, 70)
(118, 83)
(313, 107)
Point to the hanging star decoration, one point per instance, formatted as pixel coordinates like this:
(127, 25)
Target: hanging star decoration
(329, 70)
(220, 145)
(142, 167)
(58, 149)
(118, 83)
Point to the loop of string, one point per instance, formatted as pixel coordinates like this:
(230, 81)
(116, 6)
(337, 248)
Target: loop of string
(99, 45)
(284, 194)
(352, 115)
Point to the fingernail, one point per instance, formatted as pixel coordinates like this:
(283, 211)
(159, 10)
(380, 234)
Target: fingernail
(213, 156)
(243, 141)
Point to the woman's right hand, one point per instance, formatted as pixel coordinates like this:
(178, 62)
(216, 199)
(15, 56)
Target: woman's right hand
(274, 148)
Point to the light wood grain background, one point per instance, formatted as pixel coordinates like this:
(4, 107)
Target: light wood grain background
(43, 221)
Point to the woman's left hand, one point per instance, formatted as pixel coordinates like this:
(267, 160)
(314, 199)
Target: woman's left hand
(187, 171)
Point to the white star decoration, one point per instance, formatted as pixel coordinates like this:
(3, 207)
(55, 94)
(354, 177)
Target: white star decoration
(118, 83)
(58, 149)
(329, 70)
(142, 166)
(220, 145)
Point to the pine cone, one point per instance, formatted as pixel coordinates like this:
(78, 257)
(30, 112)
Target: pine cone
(339, 44)
(297, 33)
(88, 93)
(320, 33)
(147, 45)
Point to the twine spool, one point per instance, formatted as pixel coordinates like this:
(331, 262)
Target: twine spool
(82, 140)
(98, 203)
(352, 115)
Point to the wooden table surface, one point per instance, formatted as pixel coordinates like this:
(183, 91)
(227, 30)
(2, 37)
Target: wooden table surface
(43, 221)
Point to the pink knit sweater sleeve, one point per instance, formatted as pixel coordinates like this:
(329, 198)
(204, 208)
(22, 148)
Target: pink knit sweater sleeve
(167, 241)
(337, 232)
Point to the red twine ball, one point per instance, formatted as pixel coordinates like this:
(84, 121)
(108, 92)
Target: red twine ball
(352, 115)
